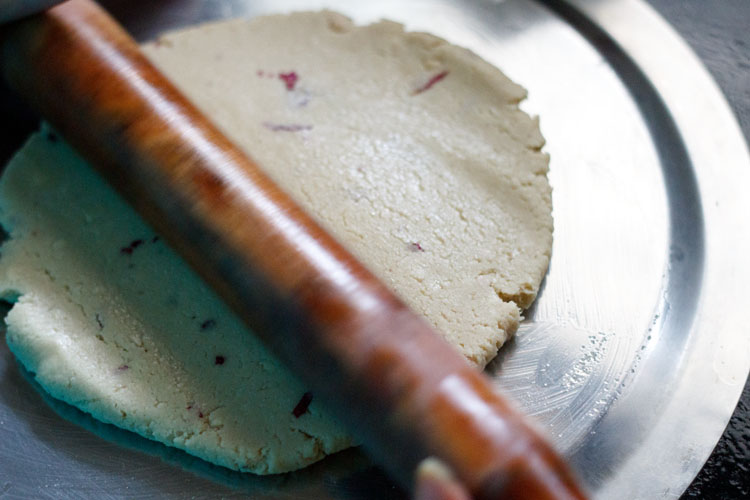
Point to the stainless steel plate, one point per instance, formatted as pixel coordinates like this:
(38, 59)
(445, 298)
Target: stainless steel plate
(636, 351)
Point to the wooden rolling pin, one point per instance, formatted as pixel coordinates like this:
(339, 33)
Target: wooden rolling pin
(402, 389)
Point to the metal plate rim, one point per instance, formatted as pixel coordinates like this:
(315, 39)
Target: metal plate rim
(722, 214)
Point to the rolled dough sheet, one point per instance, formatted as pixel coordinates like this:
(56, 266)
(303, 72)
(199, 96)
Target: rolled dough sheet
(412, 152)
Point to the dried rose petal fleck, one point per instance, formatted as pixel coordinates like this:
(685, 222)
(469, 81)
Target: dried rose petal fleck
(209, 323)
(289, 79)
(432, 81)
(128, 250)
(416, 247)
(122, 368)
(192, 407)
(303, 405)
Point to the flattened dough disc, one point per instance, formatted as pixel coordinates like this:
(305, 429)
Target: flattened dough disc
(412, 152)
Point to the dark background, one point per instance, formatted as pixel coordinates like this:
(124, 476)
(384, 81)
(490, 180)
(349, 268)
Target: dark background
(719, 32)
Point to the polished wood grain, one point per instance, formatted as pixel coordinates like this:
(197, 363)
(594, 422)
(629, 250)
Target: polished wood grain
(404, 391)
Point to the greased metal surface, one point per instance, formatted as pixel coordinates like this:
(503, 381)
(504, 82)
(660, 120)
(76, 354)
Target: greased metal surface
(635, 353)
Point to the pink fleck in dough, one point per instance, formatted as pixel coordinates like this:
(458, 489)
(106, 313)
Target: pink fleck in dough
(289, 79)
(429, 83)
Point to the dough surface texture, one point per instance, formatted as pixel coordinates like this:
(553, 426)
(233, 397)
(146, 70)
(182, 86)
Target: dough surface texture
(411, 151)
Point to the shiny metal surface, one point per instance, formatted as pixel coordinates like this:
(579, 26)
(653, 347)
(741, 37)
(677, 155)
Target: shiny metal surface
(635, 353)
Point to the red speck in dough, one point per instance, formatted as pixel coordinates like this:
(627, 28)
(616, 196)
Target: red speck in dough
(196, 409)
(289, 79)
(432, 81)
(303, 404)
(128, 250)
(416, 247)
